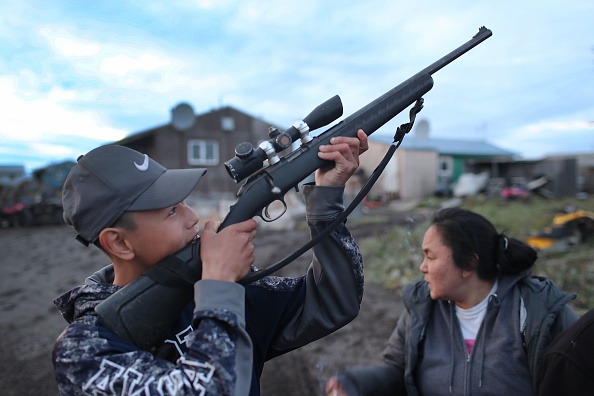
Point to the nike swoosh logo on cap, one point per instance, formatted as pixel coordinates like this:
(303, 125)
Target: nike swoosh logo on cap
(144, 165)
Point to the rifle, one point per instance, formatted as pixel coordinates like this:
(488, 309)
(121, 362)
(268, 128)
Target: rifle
(142, 311)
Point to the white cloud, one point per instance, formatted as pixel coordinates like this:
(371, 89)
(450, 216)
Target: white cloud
(48, 117)
(558, 126)
(123, 64)
(52, 150)
(549, 135)
(71, 47)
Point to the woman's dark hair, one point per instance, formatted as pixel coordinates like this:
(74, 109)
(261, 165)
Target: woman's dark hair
(476, 244)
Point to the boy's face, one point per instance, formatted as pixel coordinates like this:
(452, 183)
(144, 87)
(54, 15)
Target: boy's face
(160, 233)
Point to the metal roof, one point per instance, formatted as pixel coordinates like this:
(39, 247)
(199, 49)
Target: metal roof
(468, 148)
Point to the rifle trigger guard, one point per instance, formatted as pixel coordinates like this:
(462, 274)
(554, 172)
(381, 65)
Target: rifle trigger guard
(265, 215)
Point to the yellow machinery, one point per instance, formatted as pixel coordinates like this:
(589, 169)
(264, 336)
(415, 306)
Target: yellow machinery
(569, 228)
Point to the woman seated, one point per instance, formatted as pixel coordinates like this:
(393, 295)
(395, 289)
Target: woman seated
(477, 324)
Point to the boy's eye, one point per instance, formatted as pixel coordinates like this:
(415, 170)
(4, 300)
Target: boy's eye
(172, 211)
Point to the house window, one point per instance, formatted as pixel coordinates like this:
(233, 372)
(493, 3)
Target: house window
(203, 152)
(446, 166)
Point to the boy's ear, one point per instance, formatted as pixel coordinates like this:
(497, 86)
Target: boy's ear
(114, 241)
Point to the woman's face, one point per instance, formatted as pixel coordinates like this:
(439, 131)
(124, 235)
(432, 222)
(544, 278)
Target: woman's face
(445, 279)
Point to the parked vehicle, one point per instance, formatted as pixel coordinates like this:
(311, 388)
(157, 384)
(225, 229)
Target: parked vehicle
(35, 200)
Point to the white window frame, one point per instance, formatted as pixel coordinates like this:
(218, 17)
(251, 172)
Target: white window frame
(202, 145)
(448, 169)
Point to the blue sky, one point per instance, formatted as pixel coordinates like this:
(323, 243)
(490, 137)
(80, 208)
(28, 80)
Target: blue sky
(77, 74)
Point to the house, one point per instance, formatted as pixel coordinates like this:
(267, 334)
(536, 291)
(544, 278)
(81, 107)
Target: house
(566, 175)
(584, 170)
(206, 140)
(423, 165)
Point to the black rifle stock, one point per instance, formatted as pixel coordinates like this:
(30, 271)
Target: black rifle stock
(142, 311)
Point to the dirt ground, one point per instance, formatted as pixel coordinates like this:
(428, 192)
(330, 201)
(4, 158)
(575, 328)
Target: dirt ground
(39, 263)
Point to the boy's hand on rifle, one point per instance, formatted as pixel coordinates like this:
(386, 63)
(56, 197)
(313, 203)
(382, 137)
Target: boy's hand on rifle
(344, 151)
(227, 255)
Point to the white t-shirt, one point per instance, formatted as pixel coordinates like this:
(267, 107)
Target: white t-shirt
(470, 319)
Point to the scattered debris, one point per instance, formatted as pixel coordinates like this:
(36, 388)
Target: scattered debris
(470, 184)
(570, 227)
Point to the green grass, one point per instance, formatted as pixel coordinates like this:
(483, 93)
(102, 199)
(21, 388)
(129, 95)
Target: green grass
(393, 260)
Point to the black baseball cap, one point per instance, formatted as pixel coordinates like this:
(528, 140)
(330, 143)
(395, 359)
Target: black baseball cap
(111, 180)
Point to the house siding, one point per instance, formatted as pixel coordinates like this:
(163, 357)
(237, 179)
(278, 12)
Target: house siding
(169, 146)
(409, 174)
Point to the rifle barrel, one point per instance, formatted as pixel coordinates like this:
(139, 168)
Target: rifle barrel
(478, 38)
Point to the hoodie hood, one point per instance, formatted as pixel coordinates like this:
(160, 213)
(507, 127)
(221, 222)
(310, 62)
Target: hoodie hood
(507, 282)
(104, 275)
(82, 299)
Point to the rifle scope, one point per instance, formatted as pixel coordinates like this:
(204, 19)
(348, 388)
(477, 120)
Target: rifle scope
(248, 160)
